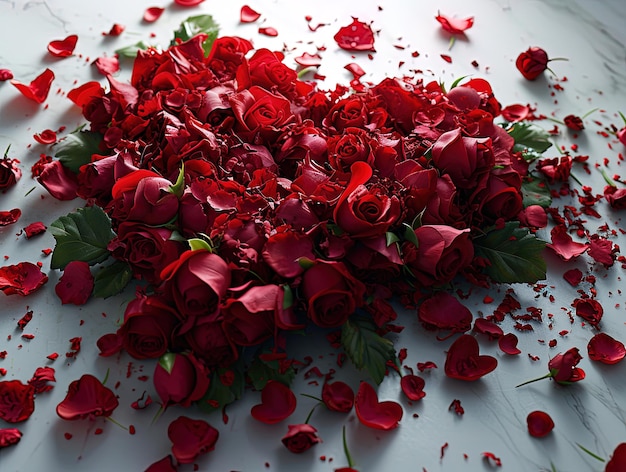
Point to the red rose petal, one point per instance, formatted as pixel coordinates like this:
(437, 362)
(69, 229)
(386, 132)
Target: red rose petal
(40, 379)
(17, 401)
(268, 31)
(492, 330)
(34, 229)
(508, 344)
(163, 465)
(463, 361)
(107, 65)
(539, 424)
(309, 60)
(355, 69)
(357, 36)
(47, 136)
(22, 279)
(63, 47)
(618, 459)
(82, 95)
(10, 217)
(589, 310)
(338, 396)
(87, 397)
(446, 58)
(248, 15)
(413, 387)
(604, 348)
(38, 89)
(9, 437)
(454, 25)
(191, 438)
(115, 30)
(277, 403)
(152, 14)
(516, 112)
(76, 283)
(573, 276)
(5, 74)
(563, 245)
(374, 414)
(188, 3)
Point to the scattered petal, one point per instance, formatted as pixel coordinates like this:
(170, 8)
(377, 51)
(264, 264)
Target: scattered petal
(508, 344)
(357, 36)
(413, 387)
(191, 438)
(268, 31)
(454, 25)
(17, 401)
(152, 14)
(47, 136)
(539, 424)
(22, 279)
(87, 398)
(76, 283)
(10, 217)
(248, 15)
(277, 403)
(338, 396)
(604, 348)
(463, 361)
(9, 437)
(374, 414)
(63, 47)
(38, 89)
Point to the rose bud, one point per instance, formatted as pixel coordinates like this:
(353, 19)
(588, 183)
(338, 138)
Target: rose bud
(300, 437)
(532, 62)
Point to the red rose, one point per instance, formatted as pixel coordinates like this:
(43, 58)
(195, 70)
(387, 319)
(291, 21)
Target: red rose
(147, 249)
(197, 281)
(265, 69)
(532, 62)
(354, 145)
(441, 207)
(332, 293)
(10, 173)
(563, 368)
(148, 326)
(96, 179)
(442, 252)
(539, 424)
(87, 397)
(466, 160)
(615, 197)
(209, 342)
(300, 437)
(621, 135)
(227, 54)
(363, 212)
(145, 197)
(257, 110)
(349, 112)
(190, 438)
(180, 379)
(500, 200)
(17, 401)
(617, 463)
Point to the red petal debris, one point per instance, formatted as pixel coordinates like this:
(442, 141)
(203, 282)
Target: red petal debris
(10, 217)
(491, 457)
(9, 437)
(539, 424)
(191, 438)
(38, 88)
(107, 65)
(268, 31)
(357, 36)
(5, 74)
(563, 244)
(76, 283)
(606, 349)
(47, 136)
(309, 60)
(589, 310)
(454, 25)
(573, 276)
(34, 229)
(248, 15)
(152, 14)
(63, 47)
(456, 406)
(115, 30)
(413, 387)
(188, 3)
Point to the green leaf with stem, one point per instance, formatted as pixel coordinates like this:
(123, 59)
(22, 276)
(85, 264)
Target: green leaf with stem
(528, 136)
(112, 279)
(76, 149)
(346, 451)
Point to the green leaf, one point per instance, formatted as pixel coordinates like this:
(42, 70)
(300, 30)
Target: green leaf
(536, 191)
(391, 238)
(409, 234)
(514, 254)
(130, 52)
(167, 361)
(287, 297)
(219, 395)
(81, 236)
(305, 262)
(261, 371)
(458, 81)
(197, 243)
(366, 348)
(529, 137)
(179, 186)
(195, 25)
(112, 279)
(77, 148)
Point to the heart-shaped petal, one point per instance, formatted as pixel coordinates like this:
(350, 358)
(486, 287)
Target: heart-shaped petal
(63, 47)
(277, 403)
(463, 361)
(375, 414)
(413, 387)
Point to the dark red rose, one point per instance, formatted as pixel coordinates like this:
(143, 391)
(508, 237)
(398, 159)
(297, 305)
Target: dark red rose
(282, 251)
(259, 111)
(17, 401)
(617, 463)
(354, 145)
(180, 379)
(466, 160)
(442, 252)
(349, 112)
(556, 169)
(10, 172)
(96, 179)
(148, 326)
(87, 397)
(9, 437)
(300, 438)
(227, 54)
(463, 361)
(249, 318)
(420, 183)
(332, 293)
(197, 281)
(191, 438)
(500, 200)
(145, 197)
(265, 69)
(532, 62)
(443, 311)
(539, 424)
(338, 396)
(442, 207)
(363, 212)
(615, 197)
(563, 368)
(76, 283)
(209, 342)
(147, 249)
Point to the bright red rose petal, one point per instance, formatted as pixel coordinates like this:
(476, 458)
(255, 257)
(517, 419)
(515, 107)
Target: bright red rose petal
(268, 31)
(63, 47)
(508, 344)
(5, 74)
(516, 112)
(573, 277)
(355, 69)
(152, 14)
(22, 279)
(115, 30)
(589, 310)
(34, 229)
(444, 311)
(191, 438)
(188, 3)
(17, 401)
(76, 283)
(107, 65)
(38, 89)
(40, 379)
(539, 424)
(47, 136)
(82, 95)
(277, 403)
(248, 15)
(357, 36)
(10, 217)
(338, 396)
(455, 25)
(87, 398)
(309, 60)
(374, 414)
(413, 387)
(618, 459)
(604, 348)
(563, 245)
(463, 361)
(9, 437)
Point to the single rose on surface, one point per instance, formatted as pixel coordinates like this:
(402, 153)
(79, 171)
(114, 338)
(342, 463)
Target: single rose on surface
(562, 369)
(180, 379)
(300, 437)
(532, 62)
(87, 397)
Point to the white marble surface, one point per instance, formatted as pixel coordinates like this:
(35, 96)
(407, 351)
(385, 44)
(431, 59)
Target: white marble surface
(591, 413)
